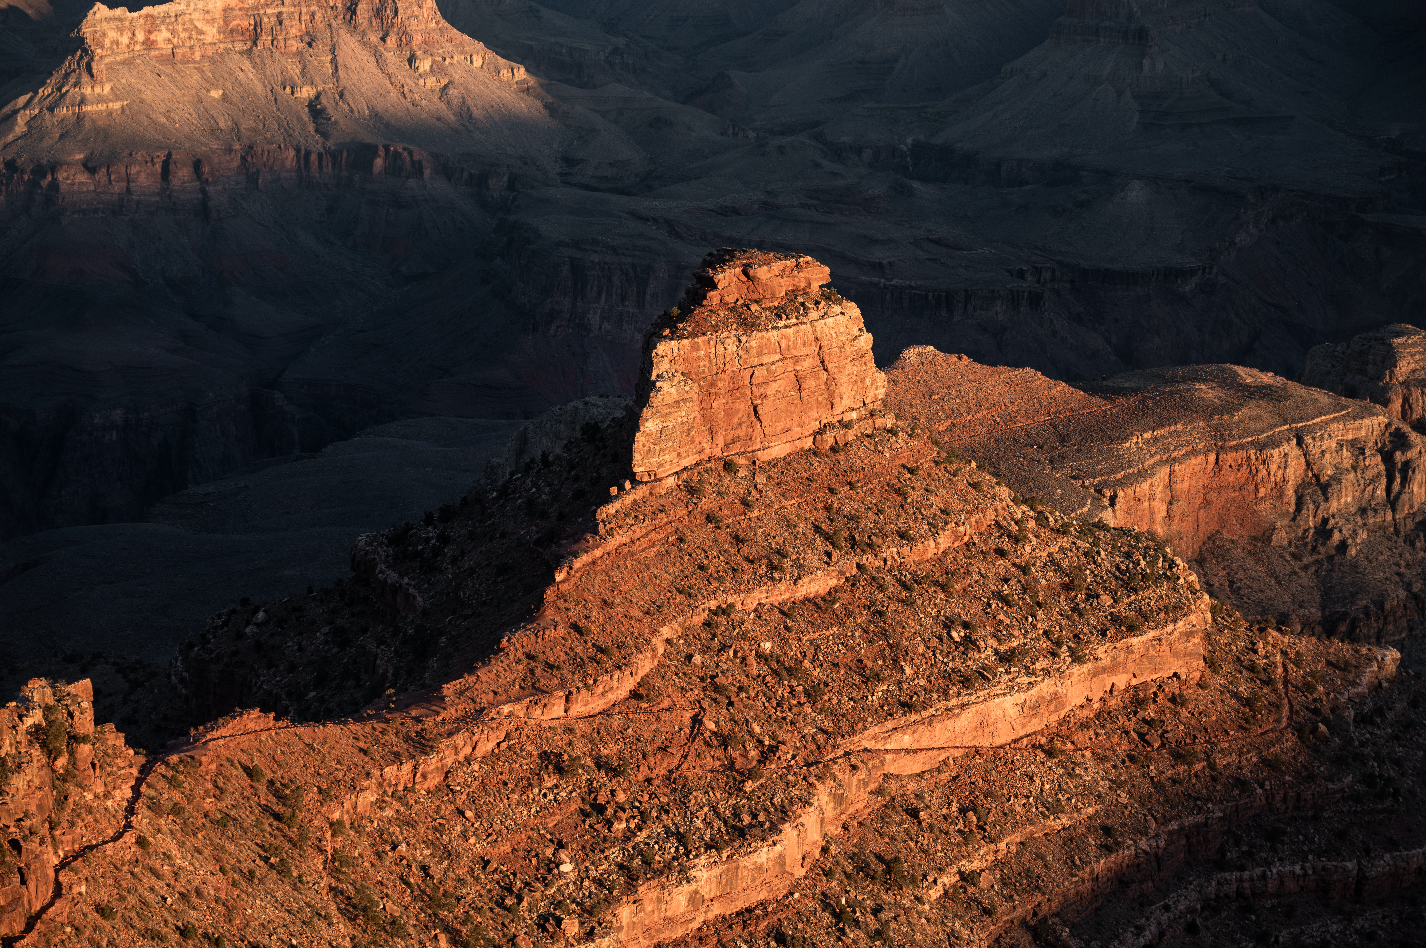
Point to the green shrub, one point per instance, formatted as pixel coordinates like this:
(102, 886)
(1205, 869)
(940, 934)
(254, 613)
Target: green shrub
(189, 932)
(56, 731)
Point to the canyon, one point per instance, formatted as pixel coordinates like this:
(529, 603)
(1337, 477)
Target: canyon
(1053, 577)
(252, 241)
(860, 690)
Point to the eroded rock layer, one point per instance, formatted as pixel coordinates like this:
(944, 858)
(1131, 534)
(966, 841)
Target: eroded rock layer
(864, 691)
(756, 360)
(1294, 503)
(1386, 367)
(196, 30)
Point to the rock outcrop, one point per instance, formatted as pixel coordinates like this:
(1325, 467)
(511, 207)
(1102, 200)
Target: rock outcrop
(196, 30)
(1235, 468)
(861, 678)
(62, 783)
(1386, 367)
(754, 362)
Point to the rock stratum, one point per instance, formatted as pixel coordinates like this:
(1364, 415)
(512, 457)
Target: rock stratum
(858, 692)
(1386, 367)
(1295, 504)
(756, 361)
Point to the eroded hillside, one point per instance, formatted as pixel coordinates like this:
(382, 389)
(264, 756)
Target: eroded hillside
(857, 691)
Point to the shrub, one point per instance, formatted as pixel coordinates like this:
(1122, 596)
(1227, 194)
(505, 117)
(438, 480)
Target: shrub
(257, 775)
(56, 731)
(189, 931)
(143, 843)
(107, 912)
(731, 466)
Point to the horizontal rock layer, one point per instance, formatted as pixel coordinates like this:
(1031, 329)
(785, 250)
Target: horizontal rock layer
(755, 370)
(195, 30)
(1386, 367)
(1224, 463)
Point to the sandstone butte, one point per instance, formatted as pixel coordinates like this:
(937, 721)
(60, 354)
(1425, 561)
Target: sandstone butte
(1386, 367)
(755, 361)
(850, 693)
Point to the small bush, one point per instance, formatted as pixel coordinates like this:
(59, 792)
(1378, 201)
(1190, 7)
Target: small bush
(731, 466)
(56, 731)
(189, 932)
(107, 912)
(143, 843)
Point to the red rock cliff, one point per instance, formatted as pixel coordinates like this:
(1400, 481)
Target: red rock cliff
(754, 362)
(60, 788)
(1294, 503)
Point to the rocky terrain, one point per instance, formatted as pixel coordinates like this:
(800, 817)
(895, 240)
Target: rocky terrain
(1295, 506)
(1386, 367)
(861, 691)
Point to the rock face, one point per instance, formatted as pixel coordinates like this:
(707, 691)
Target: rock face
(57, 790)
(1293, 503)
(754, 362)
(196, 30)
(547, 434)
(1386, 367)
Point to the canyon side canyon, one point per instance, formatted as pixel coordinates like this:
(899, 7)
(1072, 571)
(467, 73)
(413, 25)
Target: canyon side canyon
(1014, 534)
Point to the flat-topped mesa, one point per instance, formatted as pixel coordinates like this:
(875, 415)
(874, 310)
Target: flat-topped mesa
(195, 30)
(1386, 366)
(756, 360)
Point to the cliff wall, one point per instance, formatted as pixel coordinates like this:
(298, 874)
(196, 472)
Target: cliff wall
(63, 783)
(196, 30)
(759, 362)
(1386, 367)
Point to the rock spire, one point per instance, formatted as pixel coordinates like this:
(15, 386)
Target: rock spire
(756, 359)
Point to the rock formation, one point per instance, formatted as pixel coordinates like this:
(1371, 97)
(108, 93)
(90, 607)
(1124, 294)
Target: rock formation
(63, 784)
(196, 30)
(1229, 465)
(753, 363)
(861, 691)
(1386, 367)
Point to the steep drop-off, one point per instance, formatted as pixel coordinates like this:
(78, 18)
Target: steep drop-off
(392, 222)
(1386, 367)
